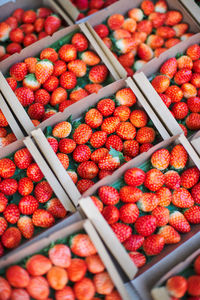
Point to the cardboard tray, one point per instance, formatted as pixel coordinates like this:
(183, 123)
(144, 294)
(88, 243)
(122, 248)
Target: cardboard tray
(193, 9)
(63, 232)
(77, 111)
(10, 119)
(33, 50)
(195, 142)
(104, 229)
(147, 89)
(123, 7)
(158, 292)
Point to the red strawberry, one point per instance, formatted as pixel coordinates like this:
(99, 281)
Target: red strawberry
(26, 227)
(23, 158)
(81, 245)
(59, 67)
(52, 24)
(81, 153)
(65, 104)
(160, 83)
(190, 177)
(43, 191)
(42, 218)
(131, 148)
(43, 70)
(43, 12)
(98, 139)
(36, 111)
(67, 52)
(111, 214)
(29, 39)
(180, 110)
(11, 238)
(173, 17)
(11, 49)
(182, 76)
(138, 258)
(67, 146)
(154, 41)
(25, 186)
(154, 179)
(134, 177)
(177, 286)
(8, 186)
(93, 88)
(170, 235)
(161, 214)
(3, 202)
(179, 222)
(129, 213)
(34, 172)
(108, 195)
(51, 84)
(125, 97)
(64, 159)
(115, 21)
(16, 35)
(193, 285)
(87, 170)
(145, 52)
(145, 26)
(4, 31)
(172, 42)
(122, 231)
(55, 207)
(172, 180)
(160, 159)
(62, 129)
(18, 71)
(28, 204)
(80, 42)
(12, 22)
(101, 30)
(195, 193)
(136, 14)
(169, 67)
(145, 225)
(134, 242)
(78, 94)
(115, 142)
(157, 19)
(98, 74)
(84, 184)
(153, 244)
(179, 157)
(110, 124)
(184, 62)
(29, 16)
(50, 54)
(174, 93)
(93, 118)
(25, 96)
(148, 202)
(73, 176)
(82, 134)
(193, 52)
(130, 194)
(106, 107)
(68, 80)
(123, 112)
(53, 143)
(31, 82)
(193, 215)
(111, 161)
(98, 203)
(165, 32)
(12, 83)
(182, 198)
(39, 24)
(98, 154)
(3, 225)
(193, 121)
(27, 28)
(7, 168)
(78, 67)
(196, 66)
(31, 63)
(18, 14)
(11, 213)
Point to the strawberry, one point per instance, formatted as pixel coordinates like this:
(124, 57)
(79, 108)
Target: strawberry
(64, 159)
(157, 19)
(172, 42)
(138, 258)
(111, 161)
(83, 285)
(160, 83)
(63, 105)
(31, 82)
(129, 25)
(125, 97)
(26, 227)
(182, 198)
(52, 24)
(169, 67)
(3, 121)
(98, 154)
(193, 52)
(179, 222)
(134, 177)
(39, 284)
(27, 28)
(130, 194)
(108, 195)
(115, 142)
(12, 22)
(195, 80)
(4, 31)
(25, 96)
(59, 68)
(182, 76)
(94, 264)
(97, 202)
(43, 70)
(184, 129)
(28, 204)
(7, 168)
(31, 63)
(180, 29)
(124, 112)
(129, 213)
(193, 121)
(76, 270)
(98, 139)
(145, 225)
(98, 74)
(23, 158)
(147, 6)
(127, 59)
(162, 215)
(38, 264)
(66, 146)
(93, 118)
(190, 177)
(93, 88)
(55, 207)
(18, 14)
(165, 32)
(43, 12)
(62, 129)
(12, 83)
(172, 180)
(80, 42)
(68, 80)
(11, 238)
(153, 244)
(39, 24)
(173, 17)
(131, 148)
(193, 215)
(11, 213)
(139, 118)
(3, 225)
(42, 218)
(34, 172)
(43, 192)
(51, 84)
(195, 193)
(3, 202)
(29, 39)
(11, 49)
(111, 214)
(184, 62)
(118, 34)
(16, 35)
(101, 30)
(84, 184)
(189, 90)
(154, 180)
(73, 176)
(115, 21)
(148, 202)
(67, 52)
(110, 124)
(126, 131)
(106, 107)
(5, 288)
(122, 231)
(179, 157)
(159, 51)
(87, 170)
(18, 71)
(8, 186)
(134, 242)
(25, 186)
(82, 134)
(170, 235)
(144, 26)
(160, 159)
(103, 283)
(193, 285)
(78, 94)
(36, 111)
(29, 16)
(145, 135)
(196, 66)
(78, 67)
(154, 41)
(145, 52)
(50, 54)
(180, 110)
(176, 286)
(81, 245)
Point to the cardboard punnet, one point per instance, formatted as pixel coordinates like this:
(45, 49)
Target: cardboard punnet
(76, 111)
(10, 119)
(147, 89)
(102, 226)
(122, 7)
(63, 232)
(34, 50)
(9, 6)
(160, 292)
(193, 8)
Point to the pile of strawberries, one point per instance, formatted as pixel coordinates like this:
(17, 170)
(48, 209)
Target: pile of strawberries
(89, 7)
(178, 86)
(149, 209)
(6, 134)
(71, 269)
(24, 28)
(144, 33)
(57, 79)
(112, 132)
(186, 285)
(27, 201)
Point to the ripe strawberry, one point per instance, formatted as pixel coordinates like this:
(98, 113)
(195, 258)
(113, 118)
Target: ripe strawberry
(43, 70)
(11, 49)
(115, 21)
(180, 110)
(66, 146)
(138, 258)
(179, 222)
(108, 195)
(174, 93)
(134, 242)
(52, 24)
(145, 135)
(144, 26)
(50, 54)
(62, 129)
(145, 225)
(27, 28)
(25, 96)
(196, 66)
(84, 184)
(68, 80)
(157, 19)
(39, 284)
(129, 213)
(93, 88)
(36, 111)
(43, 12)
(43, 192)
(87, 170)
(93, 118)
(8, 186)
(81, 245)
(59, 67)
(123, 112)
(130, 194)
(12, 22)
(78, 67)
(131, 148)
(83, 285)
(97, 202)
(176, 286)
(182, 198)
(18, 14)
(184, 62)
(193, 215)
(190, 177)
(129, 25)
(7, 168)
(28, 204)
(148, 202)
(42, 97)
(125, 97)
(11, 213)
(80, 42)
(169, 67)
(4, 31)
(193, 52)
(160, 83)
(98, 154)
(172, 180)
(65, 104)
(12, 83)
(193, 285)
(160, 159)
(16, 35)
(98, 139)
(182, 76)
(67, 52)
(98, 74)
(3, 121)
(34, 172)
(101, 30)
(165, 32)
(25, 186)
(145, 52)
(115, 142)
(126, 60)
(3, 225)
(193, 121)
(76, 270)
(134, 177)
(195, 193)
(3, 202)
(189, 90)
(154, 41)
(11, 238)
(173, 17)
(82, 134)
(106, 107)
(126, 131)
(170, 235)
(55, 207)
(39, 24)
(162, 215)
(73, 176)
(22, 158)
(153, 244)
(111, 214)
(78, 94)
(42, 218)
(51, 84)
(26, 227)
(110, 124)
(173, 41)
(29, 39)
(64, 159)
(29, 16)
(110, 162)
(184, 129)
(139, 118)
(18, 71)
(195, 80)
(180, 29)
(136, 14)
(122, 231)
(179, 157)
